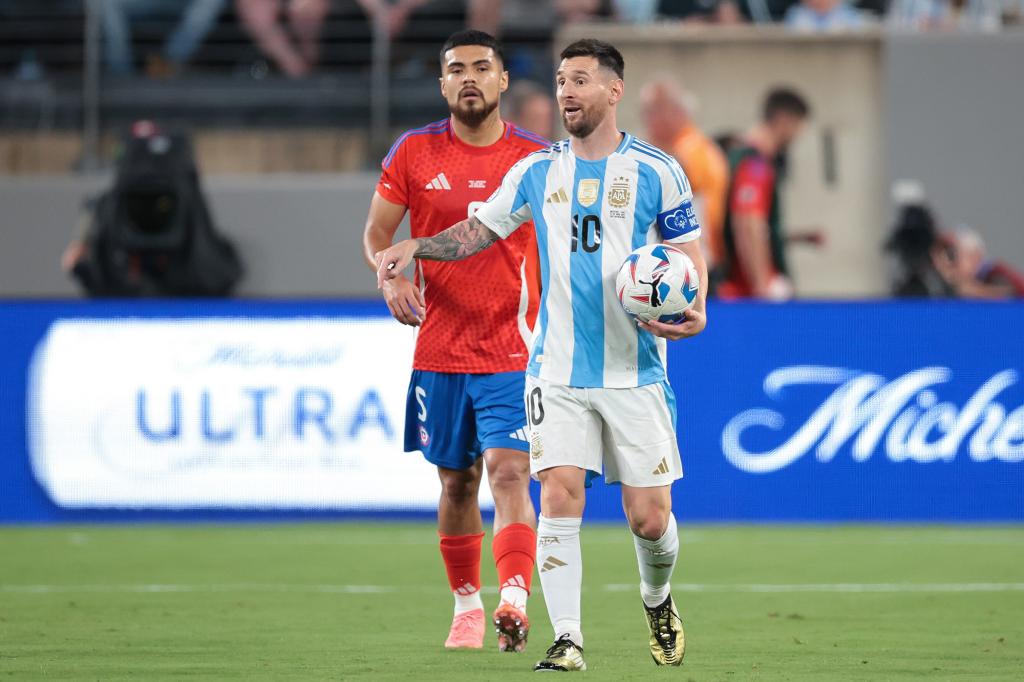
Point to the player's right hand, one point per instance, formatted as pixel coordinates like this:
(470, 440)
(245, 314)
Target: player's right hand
(405, 301)
(391, 261)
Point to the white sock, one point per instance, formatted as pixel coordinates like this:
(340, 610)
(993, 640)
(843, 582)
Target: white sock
(516, 596)
(467, 598)
(656, 559)
(560, 564)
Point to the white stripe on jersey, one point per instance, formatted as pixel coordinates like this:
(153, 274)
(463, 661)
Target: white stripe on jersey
(556, 363)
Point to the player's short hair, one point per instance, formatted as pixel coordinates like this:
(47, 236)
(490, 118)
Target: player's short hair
(473, 37)
(785, 101)
(605, 54)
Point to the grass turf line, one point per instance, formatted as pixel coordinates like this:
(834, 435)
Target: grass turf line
(369, 601)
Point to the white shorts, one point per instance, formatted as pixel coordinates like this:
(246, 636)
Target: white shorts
(628, 434)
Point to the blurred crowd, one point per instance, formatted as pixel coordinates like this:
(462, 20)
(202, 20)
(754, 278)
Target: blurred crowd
(290, 33)
(932, 261)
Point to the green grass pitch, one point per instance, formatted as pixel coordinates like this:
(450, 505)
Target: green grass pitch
(369, 601)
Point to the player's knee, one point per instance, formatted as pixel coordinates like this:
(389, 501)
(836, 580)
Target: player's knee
(509, 479)
(560, 500)
(460, 489)
(650, 524)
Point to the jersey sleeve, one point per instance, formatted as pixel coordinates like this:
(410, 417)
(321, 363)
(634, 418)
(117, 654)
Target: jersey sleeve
(508, 208)
(677, 218)
(392, 184)
(752, 188)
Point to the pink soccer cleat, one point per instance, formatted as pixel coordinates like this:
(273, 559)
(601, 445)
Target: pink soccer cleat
(513, 628)
(467, 631)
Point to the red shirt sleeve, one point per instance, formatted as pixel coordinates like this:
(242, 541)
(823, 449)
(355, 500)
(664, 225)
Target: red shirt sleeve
(392, 184)
(752, 188)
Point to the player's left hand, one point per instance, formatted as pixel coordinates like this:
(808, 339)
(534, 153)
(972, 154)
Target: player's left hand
(693, 323)
(391, 261)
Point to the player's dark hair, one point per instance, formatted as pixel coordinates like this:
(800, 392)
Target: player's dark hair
(605, 54)
(473, 37)
(785, 101)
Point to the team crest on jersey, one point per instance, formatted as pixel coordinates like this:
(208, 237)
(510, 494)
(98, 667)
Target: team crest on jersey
(618, 195)
(586, 192)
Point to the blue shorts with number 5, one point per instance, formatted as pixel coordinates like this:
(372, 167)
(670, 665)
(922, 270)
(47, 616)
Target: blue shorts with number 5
(453, 418)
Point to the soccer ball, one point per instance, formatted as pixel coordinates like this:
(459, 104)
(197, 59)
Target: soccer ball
(657, 282)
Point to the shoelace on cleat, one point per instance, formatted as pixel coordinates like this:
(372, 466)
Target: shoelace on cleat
(662, 618)
(560, 646)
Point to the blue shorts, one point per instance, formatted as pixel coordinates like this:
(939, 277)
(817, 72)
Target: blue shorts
(453, 418)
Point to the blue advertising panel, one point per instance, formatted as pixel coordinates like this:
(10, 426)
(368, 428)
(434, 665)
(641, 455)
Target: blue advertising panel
(799, 412)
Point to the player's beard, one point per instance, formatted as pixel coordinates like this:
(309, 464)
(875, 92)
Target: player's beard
(585, 123)
(472, 115)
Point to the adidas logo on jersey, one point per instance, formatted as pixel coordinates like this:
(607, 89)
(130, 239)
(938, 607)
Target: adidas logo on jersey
(439, 182)
(552, 563)
(661, 468)
(559, 197)
(519, 434)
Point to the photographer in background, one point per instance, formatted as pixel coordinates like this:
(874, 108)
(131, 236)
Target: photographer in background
(151, 234)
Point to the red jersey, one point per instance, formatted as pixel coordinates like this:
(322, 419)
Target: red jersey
(480, 311)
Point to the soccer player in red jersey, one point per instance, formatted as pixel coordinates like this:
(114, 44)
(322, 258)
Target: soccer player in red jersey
(465, 406)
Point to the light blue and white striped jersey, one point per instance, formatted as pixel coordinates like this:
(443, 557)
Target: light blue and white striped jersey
(589, 216)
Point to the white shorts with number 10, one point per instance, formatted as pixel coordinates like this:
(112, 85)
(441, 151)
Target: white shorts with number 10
(628, 434)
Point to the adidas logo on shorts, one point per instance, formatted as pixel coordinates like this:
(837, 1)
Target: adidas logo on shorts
(661, 468)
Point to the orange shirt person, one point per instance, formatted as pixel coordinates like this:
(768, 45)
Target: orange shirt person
(667, 115)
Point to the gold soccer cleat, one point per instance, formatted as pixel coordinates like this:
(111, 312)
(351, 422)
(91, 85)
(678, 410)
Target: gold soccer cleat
(668, 643)
(563, 656)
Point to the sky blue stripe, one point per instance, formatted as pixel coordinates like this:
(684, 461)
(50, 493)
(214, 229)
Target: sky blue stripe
(670, 400)
(587, 290)
(532, 188)
(679, 185)
(648, 200)
(673, 165)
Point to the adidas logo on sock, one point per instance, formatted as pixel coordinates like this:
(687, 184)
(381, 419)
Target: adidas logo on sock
(552, 563)
(465, 590)
(515, 581)
(440, 182)
(661, 468)
(559, 197)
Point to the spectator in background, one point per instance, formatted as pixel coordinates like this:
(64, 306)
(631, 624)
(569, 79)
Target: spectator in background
(950, 15)
(195, 19)
(288, 32)
(754, 238)
(530, 107)
(974, 274)
(824, 15)
(668, 116)
(701, 11)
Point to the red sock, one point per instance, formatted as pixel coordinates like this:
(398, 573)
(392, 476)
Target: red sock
(461, 555)
(515, 549)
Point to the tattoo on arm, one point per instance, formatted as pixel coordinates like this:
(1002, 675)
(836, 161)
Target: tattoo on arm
(459, 241)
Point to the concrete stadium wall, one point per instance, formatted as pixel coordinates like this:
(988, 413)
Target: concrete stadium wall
(300, 235)
(955, 108)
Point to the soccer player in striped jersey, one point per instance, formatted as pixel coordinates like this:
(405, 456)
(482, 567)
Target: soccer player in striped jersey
(464, 408)
(597, 397)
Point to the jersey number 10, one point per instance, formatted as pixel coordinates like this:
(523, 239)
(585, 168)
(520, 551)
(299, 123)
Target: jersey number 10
(591, 238)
